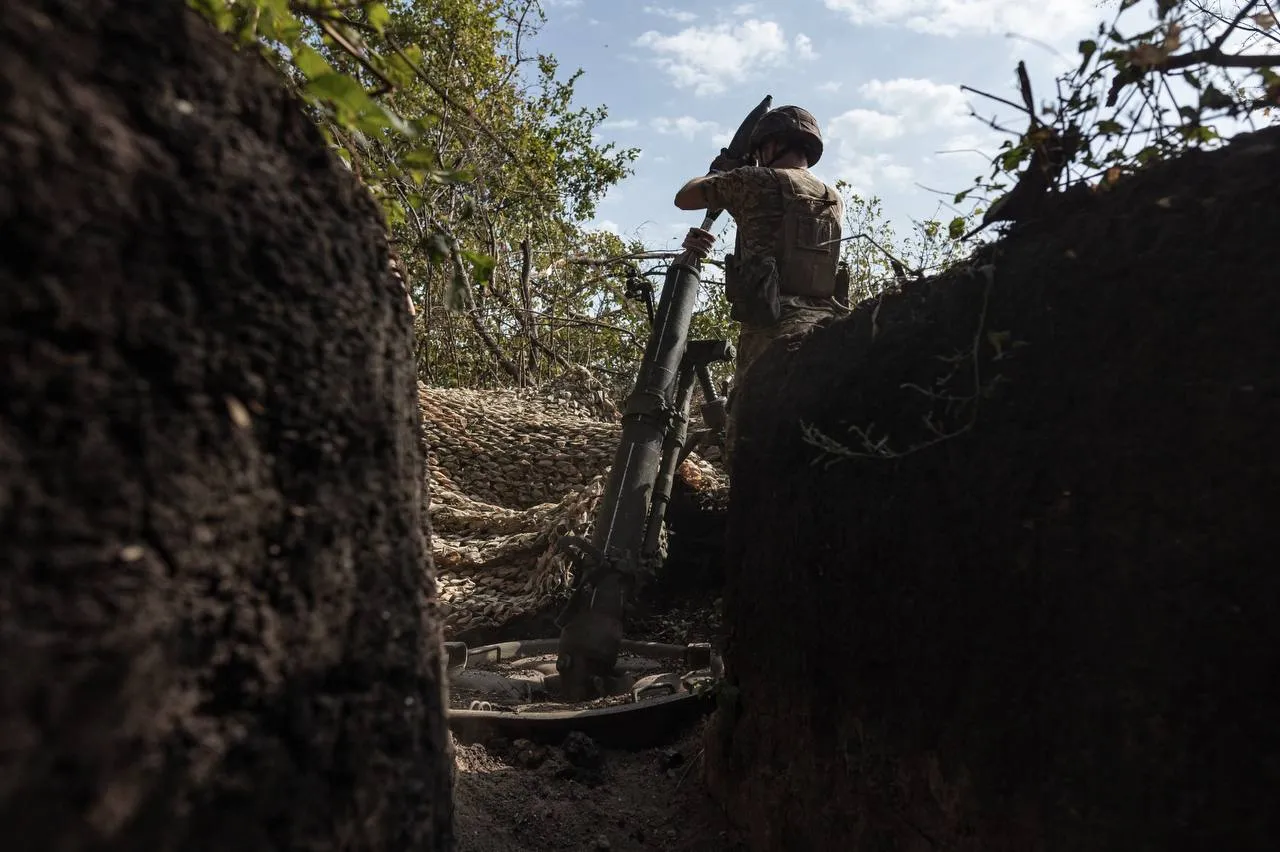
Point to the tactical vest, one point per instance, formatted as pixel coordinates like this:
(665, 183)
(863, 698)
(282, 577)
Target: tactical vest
(807, 252)
(803, 261)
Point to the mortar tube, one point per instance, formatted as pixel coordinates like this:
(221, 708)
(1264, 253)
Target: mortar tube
(671, 458)
(591, 636)
(619, 531)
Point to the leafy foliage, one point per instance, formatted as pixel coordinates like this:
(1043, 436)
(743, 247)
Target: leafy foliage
(1159, 79)
(486, 169)
(474, 148)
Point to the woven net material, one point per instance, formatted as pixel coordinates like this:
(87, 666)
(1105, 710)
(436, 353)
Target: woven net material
(511, 472)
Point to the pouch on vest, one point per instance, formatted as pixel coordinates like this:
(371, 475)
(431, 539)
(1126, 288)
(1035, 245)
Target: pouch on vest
(810, 248)
(843, 279)
(751, 288)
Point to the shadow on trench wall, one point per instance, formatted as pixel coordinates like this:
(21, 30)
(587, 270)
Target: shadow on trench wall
(212, 609)
(1054, 629)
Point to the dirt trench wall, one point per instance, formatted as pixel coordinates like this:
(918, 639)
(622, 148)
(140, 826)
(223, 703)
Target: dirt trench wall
(1056, 630)
(212, 597)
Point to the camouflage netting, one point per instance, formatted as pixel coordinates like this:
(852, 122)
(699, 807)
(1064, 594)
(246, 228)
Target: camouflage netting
(511, 472)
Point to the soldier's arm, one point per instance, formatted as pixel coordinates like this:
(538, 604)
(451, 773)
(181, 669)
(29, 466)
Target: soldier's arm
(719, 191)
(692, 195)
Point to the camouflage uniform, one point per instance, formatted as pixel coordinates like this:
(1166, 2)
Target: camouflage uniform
(754, 197)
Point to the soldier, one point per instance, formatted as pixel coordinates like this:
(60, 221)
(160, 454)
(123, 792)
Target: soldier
(781, 278)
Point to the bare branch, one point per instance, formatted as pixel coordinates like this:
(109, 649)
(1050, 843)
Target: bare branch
(982, 154)
(991, 122)
(1213, 56)
(605, 261)
(508, 366)
(1216, 47)
(1001, 100)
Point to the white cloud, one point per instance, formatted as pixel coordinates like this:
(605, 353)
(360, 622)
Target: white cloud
(920, 103)
(804, 47)
(709, 59)
(607, 225)
(686, 126)
(1060, 21)
(674, 14)
(852, 140)
(869, 172)
(743, 9)
(909, 112)
(966, 140)
(895, 174)
(830, 87)
(909, 109)
(621, 124)
(861, 126)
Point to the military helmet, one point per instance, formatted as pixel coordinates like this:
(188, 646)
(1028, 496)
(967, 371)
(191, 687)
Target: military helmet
(796, 124)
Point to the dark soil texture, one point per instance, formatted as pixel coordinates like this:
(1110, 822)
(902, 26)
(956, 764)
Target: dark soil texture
(1000, 572)
(1052, 628)
(523, 797)
(520, 796)
(213, 621)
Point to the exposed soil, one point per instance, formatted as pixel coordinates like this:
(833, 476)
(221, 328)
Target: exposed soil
(1032, 607)
(212, 608)
(1054, 629)
(521, 797)
(524, 797)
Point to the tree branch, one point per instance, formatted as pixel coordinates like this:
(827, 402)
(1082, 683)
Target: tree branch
(530, 328)
(443, 96)
(584, 322)
(1216, 47)
(508, 366)
(999, 99)
(1215, 57)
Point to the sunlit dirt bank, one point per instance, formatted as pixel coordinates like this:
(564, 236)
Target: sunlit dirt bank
(212, 604)
(1031, 603)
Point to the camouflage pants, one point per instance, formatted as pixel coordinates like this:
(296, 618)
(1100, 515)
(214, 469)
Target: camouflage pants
(799, 317)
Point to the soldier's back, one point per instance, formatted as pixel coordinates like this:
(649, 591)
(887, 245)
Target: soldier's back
(760, 219)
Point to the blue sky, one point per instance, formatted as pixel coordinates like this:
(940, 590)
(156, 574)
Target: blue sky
(882, 77)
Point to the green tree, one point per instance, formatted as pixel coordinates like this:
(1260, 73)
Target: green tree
(478, 154)
(872, 248)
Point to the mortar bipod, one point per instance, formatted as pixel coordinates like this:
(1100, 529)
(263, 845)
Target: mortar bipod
(660, 689)
(699, 355)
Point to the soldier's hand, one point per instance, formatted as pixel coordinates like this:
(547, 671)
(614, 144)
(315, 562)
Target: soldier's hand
(725, 163)
(699, 240)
